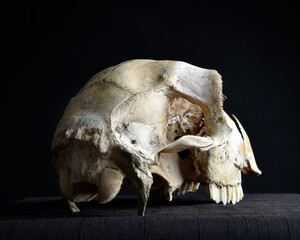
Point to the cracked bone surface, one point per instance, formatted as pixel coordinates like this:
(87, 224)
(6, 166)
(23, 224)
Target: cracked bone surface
(158, 125)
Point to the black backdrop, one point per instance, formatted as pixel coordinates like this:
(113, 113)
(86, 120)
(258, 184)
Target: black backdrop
(49, 51)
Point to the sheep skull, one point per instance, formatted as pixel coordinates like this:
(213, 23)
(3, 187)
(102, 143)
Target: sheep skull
(132, 122)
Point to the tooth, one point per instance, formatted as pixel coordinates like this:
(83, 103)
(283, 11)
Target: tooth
(186, 185)
(224, 195)
(237, 193)
(229, 193)
(183, 188)
(193, 189)
(242, 193)
(217, 194)
(221, 194)
(190, 186)
(175, 193)
(170, 194)
(211, 191)
(233, 200)
(196, 186)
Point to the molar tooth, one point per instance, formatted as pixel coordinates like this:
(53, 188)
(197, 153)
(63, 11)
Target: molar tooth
(242, 193)
(196, 186)
(193, 186)
(224, 194)
(211, 191)
(170, 194)
(229, 193)
(190, 186)
(175, 193)
(240, 189)
(237, 193)
(183, 188)
(233, 200)
(216, 193)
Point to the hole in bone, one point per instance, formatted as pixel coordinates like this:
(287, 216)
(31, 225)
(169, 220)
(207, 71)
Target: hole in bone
(158, 182)
(133, 141)
(177, 137)
(183, 154)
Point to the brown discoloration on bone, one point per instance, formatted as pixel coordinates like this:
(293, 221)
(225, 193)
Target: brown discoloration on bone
(123, 123)
(180, 107)
(248, 145)
(249, 157)
(242, 148)
(184, 118)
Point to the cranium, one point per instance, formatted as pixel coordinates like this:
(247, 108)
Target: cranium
(158, 125)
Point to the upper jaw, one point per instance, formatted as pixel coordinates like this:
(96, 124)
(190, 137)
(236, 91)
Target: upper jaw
(225, 194)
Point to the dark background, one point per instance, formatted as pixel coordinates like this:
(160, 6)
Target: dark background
(49, 51)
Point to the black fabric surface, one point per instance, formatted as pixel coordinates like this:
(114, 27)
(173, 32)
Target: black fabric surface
(193, 216)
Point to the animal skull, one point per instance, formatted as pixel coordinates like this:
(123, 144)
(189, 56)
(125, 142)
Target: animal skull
(158, 125)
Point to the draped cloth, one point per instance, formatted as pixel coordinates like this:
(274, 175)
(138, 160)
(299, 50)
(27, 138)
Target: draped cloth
(193, 216)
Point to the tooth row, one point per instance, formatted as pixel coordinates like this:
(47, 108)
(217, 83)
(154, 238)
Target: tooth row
(188, 186)
(224, 194)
